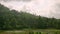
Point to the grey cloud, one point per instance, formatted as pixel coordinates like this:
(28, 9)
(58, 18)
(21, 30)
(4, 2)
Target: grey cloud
(16, 0)
(56, 12)
(32, 8)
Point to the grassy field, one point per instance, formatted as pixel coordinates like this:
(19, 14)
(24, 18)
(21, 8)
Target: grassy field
(39, 31)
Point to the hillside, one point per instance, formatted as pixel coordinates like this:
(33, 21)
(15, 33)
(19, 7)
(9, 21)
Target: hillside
(12, 19)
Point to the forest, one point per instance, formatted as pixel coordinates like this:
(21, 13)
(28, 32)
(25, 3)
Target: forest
(14, 20)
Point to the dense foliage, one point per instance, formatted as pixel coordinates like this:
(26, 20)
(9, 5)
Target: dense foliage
(12, 19)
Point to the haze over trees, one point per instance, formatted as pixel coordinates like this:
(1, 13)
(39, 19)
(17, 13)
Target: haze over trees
(14, 20)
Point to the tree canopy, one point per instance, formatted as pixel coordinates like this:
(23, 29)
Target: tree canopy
(12, 19)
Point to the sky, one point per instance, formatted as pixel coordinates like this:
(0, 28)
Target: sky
(46, 8)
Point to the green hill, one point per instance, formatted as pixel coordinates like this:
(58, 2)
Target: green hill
(12, 19)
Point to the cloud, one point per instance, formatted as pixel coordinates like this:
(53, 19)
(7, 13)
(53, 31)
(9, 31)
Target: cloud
(56, 11)
(47, 8)
(15, 0)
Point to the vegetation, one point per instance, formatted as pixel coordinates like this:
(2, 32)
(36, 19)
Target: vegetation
(32, 32)
(14, 20)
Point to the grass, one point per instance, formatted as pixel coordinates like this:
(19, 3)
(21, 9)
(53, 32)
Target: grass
(39, 31)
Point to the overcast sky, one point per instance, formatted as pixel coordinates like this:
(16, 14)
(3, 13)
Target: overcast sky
(47, 8)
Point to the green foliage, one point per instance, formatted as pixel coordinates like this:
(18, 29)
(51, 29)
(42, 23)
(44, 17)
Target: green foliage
(12, 19)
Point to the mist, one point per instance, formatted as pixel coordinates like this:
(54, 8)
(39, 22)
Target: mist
(46, 8)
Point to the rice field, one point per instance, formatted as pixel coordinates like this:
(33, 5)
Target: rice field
(31, 32)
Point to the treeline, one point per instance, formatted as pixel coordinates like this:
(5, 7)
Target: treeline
(14, 20)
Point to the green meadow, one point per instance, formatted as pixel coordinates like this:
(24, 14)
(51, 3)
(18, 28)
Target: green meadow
(40, 31)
